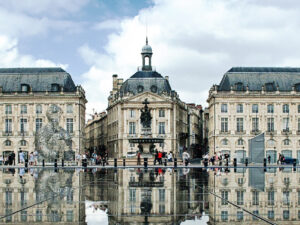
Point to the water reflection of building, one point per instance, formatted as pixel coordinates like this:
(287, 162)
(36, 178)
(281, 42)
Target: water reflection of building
(148, 197)
(20, 189)
(274, 196)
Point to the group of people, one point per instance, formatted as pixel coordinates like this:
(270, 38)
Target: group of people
(159, 156)
(93, 158)
(217, 158)
(10, 159)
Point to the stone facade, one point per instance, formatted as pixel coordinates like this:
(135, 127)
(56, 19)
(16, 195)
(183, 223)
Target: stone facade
(244, 105)
(169, 129)
(24, 105)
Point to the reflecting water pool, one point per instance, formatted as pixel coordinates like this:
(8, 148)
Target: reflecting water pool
(149, 196)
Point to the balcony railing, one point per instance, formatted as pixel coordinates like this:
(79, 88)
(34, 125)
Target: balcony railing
(255, 132)
(9, 133)
(240, 132)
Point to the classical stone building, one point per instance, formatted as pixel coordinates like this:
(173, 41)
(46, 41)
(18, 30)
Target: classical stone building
(96, 133)
(28, 98)
(145, 114)
(256, 101)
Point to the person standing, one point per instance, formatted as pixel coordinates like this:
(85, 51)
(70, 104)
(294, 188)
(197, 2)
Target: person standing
(160, 158)
(155, 157)
(185, 157)
(31, 159)
(170, 157)
(13, 156)
(21, 157)
(35, 157)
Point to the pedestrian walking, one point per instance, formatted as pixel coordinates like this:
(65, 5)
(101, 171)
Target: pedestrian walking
(269, 159)
(155, 157)
(186, 158)
(35, 157)
(160, 158)
(170, 157)
(21, 157)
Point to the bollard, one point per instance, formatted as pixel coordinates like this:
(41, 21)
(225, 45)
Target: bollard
(115, 162)
(43, 162)
(55, 162)
(62, 163)
(234, 162)
(227, 162)
(265, 162)
(294, 164)
(145, 162)
(246, 162)
(175, 162)
(124, 162)
(165, 162)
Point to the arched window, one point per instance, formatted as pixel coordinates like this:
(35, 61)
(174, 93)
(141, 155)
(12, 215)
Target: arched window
(147, 61)
(7, 143)
(285, 108)
(240, 141)
(38, 109)
(271, 143)
(239, 86)
(270, 87)
(286, 142)
(224, 142)
(153, 88)
(23, 143)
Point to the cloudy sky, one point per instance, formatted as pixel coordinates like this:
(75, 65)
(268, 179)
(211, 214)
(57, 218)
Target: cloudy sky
(194, 41)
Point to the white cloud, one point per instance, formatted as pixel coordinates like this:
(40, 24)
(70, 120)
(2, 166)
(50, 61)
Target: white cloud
(108, 25)
(10, 56)
(195, 42)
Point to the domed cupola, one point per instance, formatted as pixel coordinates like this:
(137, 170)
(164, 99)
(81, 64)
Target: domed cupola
(146, 56)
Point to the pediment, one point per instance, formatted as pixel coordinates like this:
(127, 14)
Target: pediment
(149, 95)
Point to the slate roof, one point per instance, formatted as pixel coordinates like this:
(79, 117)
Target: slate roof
(283, 78)
(39, 79)
(143, 81)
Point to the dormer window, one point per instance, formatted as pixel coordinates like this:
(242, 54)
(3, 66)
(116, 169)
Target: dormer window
(297, 87)
(140, 89)
(25, 88)
(55, 87)
(239, 86)
(153, 88)
(270, 87)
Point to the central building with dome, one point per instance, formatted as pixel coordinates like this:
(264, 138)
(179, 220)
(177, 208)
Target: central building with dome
(144, 114)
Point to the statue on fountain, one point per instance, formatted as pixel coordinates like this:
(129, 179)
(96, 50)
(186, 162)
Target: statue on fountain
(145, 115)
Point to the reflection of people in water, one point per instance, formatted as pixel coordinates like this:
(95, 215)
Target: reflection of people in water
(52, 141)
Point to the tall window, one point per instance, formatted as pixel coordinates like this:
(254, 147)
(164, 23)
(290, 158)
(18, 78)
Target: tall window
(239, 215)
(298, 108)
(255, 198)
(271, 197)
(255, 108)
(161, 113)
(255, 125)
(239, 124)
(132, 113)
(69, 108)
(239, 108)
(131, 127)
(162, 195)
(23, 109)
(285, 197)
(270, 108)
(132, 195)
(23, 198)
(38, 124)
(240, 197)
(161, 129)
(8, 198)
(23, 143)
(224, 124)
(23, 125)
(8, 125)
(224, 195)
(285, 124)
(39, 215)
(70, 216)
(286, 214)
(285, 108)
(8, 109)
(38, 109)
(70, 125)
(298, 124)
(224, 108)
(270, 124)
(271, 214)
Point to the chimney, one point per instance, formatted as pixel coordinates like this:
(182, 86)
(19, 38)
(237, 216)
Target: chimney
(120, 82)
(115, 82)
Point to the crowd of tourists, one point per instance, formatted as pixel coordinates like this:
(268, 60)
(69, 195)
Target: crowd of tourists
(92, 158)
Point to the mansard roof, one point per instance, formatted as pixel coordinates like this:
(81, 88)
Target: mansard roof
(271, 78)
(38, 79)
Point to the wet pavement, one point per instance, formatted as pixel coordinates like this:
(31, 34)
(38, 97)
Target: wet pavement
(160, 195)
